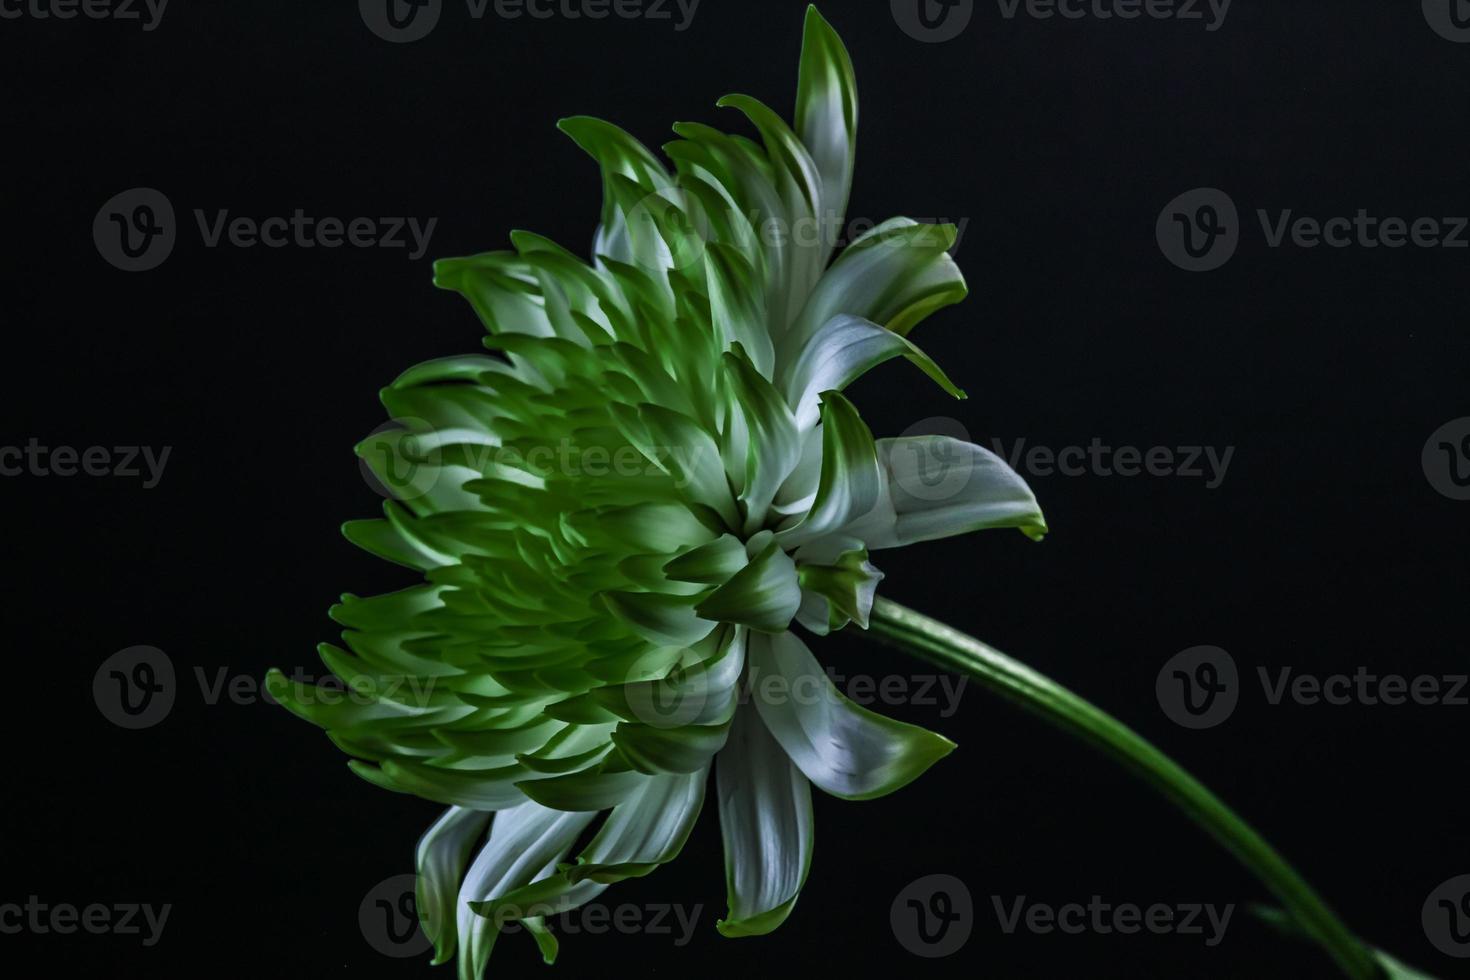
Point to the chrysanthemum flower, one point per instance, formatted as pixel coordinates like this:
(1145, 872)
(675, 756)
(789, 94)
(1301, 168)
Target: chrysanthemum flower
(620, 513)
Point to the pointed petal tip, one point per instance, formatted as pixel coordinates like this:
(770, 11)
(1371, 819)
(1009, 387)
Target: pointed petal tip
(276, 684)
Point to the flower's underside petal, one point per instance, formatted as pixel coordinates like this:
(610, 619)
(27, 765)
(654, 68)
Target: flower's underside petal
(766, 823)
(616, 153)
(661, 619)
(524, 841)
(476, 789)
(709, 564)
(656, 750)
(808, 232)
(772, 439)
(763, 595)
(845, 749)
(737, 305)
(937, 487)
(644, 831)
(841, 351)
(690, 454)
(443, 852)
(851, 480)
(894, 278)
(697, 689)
(838, 584)
(590, 790)
(826, 112)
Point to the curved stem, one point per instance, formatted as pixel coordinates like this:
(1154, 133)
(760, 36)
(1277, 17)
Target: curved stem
(931, 640)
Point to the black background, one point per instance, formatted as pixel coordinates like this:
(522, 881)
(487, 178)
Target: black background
(1325, 548)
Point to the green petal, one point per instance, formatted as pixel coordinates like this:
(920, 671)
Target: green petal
(476, 789)
(584, 791)
(618, 154)
(763, 595)
(660, 619)
(850, 483)
(709, 564)
(772, 440)
(644, 831)
(736, 304)
(838, 584)
(659, 750)
(699, 689)
(847, 750)
(826, 111)
(689, 454)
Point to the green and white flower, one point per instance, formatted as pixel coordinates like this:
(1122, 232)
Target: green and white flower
(592, 636)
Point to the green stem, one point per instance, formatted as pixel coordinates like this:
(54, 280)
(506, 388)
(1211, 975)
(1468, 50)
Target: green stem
(931, 640)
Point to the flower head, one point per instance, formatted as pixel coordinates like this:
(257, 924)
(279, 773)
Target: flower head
(619, 513)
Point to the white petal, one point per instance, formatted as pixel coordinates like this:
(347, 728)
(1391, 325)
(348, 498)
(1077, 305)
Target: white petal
(847, 750)
(937, 487)
(766, 823)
